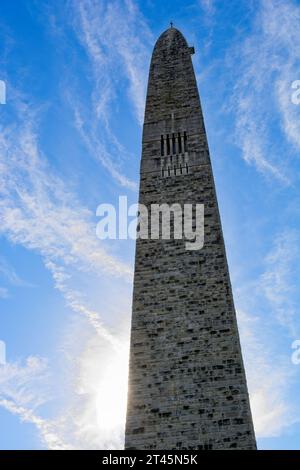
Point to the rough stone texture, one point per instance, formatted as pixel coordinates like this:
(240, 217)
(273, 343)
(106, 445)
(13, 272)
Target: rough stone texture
(187, 385)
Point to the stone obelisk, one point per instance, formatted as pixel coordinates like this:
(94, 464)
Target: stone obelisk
(187, 384)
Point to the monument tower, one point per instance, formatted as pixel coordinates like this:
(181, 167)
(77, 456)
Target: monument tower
(187, 384)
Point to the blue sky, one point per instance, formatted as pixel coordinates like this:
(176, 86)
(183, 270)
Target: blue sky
(76, 74)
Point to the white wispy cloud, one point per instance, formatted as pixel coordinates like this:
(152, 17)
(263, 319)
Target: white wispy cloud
(95, 416)
(266, 63)
(75, 300)
(45, 427)
(276, 287)
(117, 40)
(92, 416)
(277, 283)
(208, 6)
(4, 294)
(90, 135)
(40, 213)
(269, 379)
(9, 273)
(23, 390)
(37, 210)
(16, 381)
(267, 309)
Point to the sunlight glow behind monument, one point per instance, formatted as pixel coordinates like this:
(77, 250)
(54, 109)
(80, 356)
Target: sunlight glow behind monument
(112, 396)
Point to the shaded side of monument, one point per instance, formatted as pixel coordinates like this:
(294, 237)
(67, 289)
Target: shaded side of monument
(187, 384)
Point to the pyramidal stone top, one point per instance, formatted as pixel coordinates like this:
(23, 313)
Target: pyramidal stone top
(170, 39)
(172, 89)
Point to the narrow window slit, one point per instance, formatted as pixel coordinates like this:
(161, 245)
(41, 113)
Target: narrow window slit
(162, 151)
(185, 141)
(179, 143)
(168, 144)
(173, 144)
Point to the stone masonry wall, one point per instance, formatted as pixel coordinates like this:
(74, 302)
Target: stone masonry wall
(187, 385)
